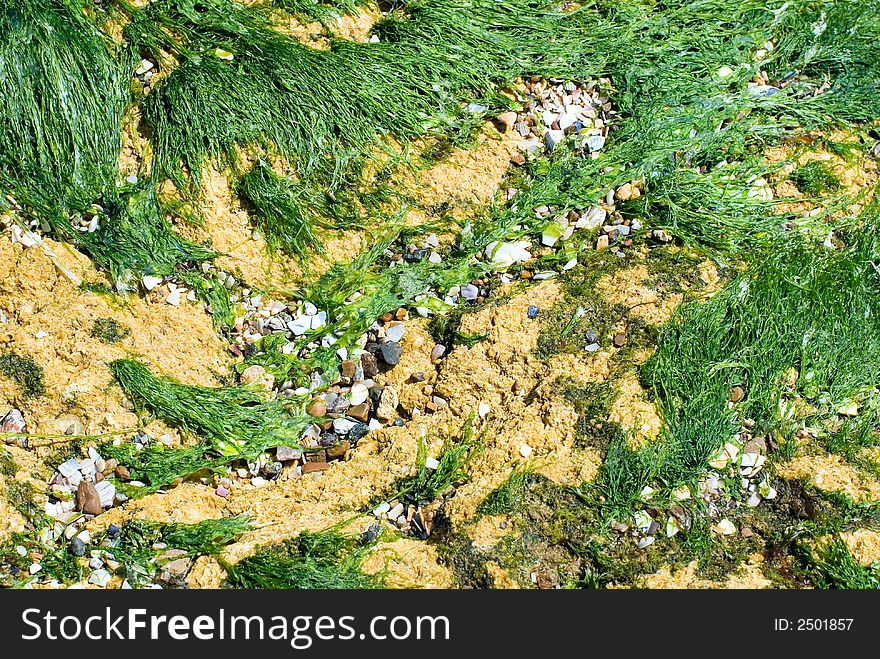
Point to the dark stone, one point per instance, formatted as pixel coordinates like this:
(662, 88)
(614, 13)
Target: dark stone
(533, 311)
(370, 365)
(357, 432)
(316, 456)
(113, 530)
(76, 547)
(328, 439)
(391, 353)
(376, 394)
(371, 533)
(415, 256)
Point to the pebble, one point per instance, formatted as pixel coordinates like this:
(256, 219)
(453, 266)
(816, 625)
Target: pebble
(470, 292)
(391, 353)
(88, 500)
(287, 453)
(437, 353)
(100, 577)
(394, 331)
(76, 547)
(151, 282)
(317, 408)
(525, 450)
(532, 311)
(13, 421)
(388, 402)
(222, 491)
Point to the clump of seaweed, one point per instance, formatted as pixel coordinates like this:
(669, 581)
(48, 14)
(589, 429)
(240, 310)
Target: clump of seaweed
(109, 330)
(814, 178)
(326, 559)
(233, 422)
(133, 544)
(452, 467)
(25, 372)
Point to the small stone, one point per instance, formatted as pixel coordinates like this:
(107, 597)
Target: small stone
(369, 365)
(287, 453)
(432, 463)
(76, 547)
(317, 408)
(258, 481)
(151, 282)
(100, 577)
(525, 450)
(394, 331)
(724, 527)
(13, 421)
(483, 409)
(602, 243)
(310, 467)
(222, 491)
(619, 339)
(361, 412)
(388, 402)
(532, 311)
(87, 499)
(418, 376)
(338, 451)
(348, 368)
(437, 353)
(257, 375)
(470, 292)
(391, 353)
(626, 192)
(382, 509)
(122, 473)
(106, 491)
(507, 119)
(737, 393)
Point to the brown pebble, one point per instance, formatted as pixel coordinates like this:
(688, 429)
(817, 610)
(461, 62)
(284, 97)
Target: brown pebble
(401, 314)
(427, 390)
(518, 159)
(602, 243)
(386, 317)
(87, 499)
(310, 467)
(432, 406)
(507, 120)
(757, 446)
(737, 393)
(338, 451)
(525, 274)
(122, 473)
(316, 456)
(317, 408)
(619, 339)
(347, 368)
(370, 365)
(418, 376)
(360, 412)
(747, 532)
(99, 476)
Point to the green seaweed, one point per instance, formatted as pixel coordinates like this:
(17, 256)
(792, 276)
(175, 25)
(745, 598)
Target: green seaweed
(25, 372)
(109, 330)
(326, 559)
